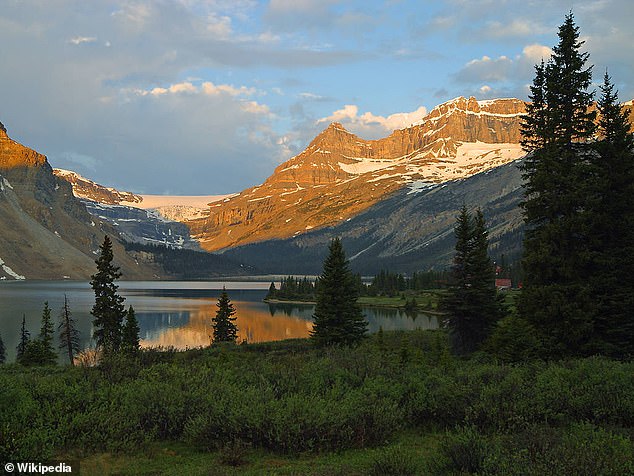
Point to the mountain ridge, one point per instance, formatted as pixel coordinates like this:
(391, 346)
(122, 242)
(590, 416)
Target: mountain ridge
(339, 174)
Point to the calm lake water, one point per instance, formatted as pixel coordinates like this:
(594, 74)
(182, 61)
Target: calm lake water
(176, 313)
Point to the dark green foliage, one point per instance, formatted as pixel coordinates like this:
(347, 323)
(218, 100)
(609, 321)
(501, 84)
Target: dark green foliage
(463, 451)
(612, 229)
(68, 333)
(338, 317)
(471, 303)
(513, 340)
(108, 310)
(223, 324)
(578, 250)
(3, 351)
(292, 288)
(24, 340)
(190, 264)
(288, 397)
(387, 283)
(130, 334)
(272, 294)
(394, 462)
(47, 331)
(556, 297)
(39, 351)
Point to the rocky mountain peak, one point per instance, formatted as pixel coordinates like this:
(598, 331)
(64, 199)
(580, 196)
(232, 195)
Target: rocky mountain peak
(339, 174)
(3, 129)
(14, 155)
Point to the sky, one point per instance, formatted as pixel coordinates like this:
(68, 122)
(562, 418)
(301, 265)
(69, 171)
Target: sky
(203, 97)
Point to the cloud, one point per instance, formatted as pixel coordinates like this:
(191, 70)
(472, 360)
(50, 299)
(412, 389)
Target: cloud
(370, 125)
(503, 68)
(78, 40)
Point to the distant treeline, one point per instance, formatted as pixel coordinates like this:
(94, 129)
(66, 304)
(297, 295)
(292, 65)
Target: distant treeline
(386, 283)
(189, 264)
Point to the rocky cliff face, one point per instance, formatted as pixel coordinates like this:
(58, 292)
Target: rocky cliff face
(89, 190)
(339, 175)
(46, 232)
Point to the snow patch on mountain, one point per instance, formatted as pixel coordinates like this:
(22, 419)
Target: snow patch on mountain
(10, 272)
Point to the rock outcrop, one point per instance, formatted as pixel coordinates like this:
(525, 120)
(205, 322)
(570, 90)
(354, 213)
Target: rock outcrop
(46, 232)
(339, 174)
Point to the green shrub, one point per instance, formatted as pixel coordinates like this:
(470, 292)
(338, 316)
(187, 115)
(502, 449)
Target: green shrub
(464, 450)
(394, 462)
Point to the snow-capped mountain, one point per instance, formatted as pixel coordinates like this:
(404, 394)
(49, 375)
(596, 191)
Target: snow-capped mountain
(46, 233)
(340, 175)
(156, 219)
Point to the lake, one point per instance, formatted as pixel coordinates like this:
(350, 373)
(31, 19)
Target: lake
(176, 313)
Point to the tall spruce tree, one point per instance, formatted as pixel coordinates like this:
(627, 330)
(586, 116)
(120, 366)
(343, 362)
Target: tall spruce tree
(24, 341)
(223, 324)
(68, 333)
(3, 351)
(338, 317)
(612, 228)
(556, 297)
(47, 354)
(472, 303)
(130, 335)
(108, 310)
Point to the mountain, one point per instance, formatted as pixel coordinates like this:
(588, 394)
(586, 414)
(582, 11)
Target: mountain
(411, 230)
(340, 175)
(147, 219)
(46, 232)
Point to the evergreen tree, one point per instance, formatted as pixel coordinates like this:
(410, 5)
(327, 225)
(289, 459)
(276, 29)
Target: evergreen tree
(68, 333)
(272, 294)
(3, 351)
(47, 356)
(108, 310)
(338, 317)
(24, 340)
(472, 303)
(130, 335)
(555, 297)
(223, 324)
(612, 228)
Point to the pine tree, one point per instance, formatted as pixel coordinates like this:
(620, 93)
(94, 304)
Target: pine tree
(272, 294)
(472, 303)
(338, 317)
(223, 324)
(47, 356)
(130, 335)
(68, 333)
(108, 310)
(555, 297)
(3, 351)
(612, 228)
(24, 340)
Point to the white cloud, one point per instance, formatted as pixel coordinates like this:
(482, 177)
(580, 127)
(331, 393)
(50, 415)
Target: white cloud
(187, 87)
(211, 89)
(536, 53)
(514, 28)
(78, 40)
(485, 89)
(371, 125)
(254, 108)
(503, 68)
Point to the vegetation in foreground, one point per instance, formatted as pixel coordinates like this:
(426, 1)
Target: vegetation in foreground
(397, 400)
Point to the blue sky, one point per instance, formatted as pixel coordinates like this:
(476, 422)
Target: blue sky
(208, 96)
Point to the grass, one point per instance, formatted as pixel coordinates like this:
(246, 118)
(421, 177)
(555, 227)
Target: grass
(399, 403)
(175, 458)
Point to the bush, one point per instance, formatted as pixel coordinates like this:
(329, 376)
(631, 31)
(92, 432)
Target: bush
(394, 462)
(465, 450)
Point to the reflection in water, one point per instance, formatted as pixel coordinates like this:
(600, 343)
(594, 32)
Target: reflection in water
(178, 314)
(193, 328)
